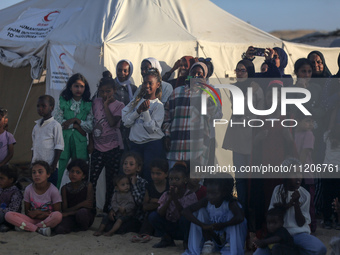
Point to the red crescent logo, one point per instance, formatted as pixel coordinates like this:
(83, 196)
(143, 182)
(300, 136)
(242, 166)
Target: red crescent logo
(46, 17)
(60, 56)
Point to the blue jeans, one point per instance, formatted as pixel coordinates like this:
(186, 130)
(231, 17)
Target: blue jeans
(176, 230)
(309, 244)
(306, 243)
(148, 151)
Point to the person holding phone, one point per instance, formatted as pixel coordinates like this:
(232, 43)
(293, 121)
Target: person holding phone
(276, 59)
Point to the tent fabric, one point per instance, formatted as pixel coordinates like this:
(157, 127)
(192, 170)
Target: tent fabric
(103, 32)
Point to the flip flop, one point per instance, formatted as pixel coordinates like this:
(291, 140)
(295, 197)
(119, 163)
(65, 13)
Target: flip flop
(136, 239)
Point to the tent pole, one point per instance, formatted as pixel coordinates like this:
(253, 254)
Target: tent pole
(23, 107)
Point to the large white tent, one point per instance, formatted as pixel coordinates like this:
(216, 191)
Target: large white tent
(68, 36)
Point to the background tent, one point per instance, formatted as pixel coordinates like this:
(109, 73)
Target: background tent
(68, 36)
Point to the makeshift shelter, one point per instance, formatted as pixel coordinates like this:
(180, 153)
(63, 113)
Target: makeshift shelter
(68, 36)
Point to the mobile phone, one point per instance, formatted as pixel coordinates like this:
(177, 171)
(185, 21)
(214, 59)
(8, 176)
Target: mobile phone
(259, 52)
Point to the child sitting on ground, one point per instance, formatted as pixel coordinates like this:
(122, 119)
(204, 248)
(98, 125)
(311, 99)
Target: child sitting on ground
(10, 194)
(296, 199)
(77, 195)
(122, 207)
(168, 220)
(154, 190)
(218, 221)
(278, 241)
(42, 203)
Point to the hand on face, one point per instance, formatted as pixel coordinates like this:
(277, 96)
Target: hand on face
(110, 99)
(173, 192)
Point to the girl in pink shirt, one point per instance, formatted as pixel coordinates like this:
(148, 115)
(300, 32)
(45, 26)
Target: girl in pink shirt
(42, 203)
(106, 143)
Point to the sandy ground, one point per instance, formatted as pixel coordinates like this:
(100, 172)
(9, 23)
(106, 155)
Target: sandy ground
(84, 243)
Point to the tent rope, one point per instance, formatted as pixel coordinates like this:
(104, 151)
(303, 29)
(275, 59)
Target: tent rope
(22, 109)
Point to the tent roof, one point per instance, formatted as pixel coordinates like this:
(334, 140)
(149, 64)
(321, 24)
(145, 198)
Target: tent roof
(135, 21)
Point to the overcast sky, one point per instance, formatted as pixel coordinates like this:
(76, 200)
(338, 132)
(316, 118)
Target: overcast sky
(270, 15)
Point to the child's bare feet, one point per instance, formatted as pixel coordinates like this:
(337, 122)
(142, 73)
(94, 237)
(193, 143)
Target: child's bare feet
(108, 234)
(98, 233)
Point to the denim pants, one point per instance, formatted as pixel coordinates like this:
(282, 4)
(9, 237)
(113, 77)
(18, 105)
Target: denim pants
(176, 230)
(148, 151)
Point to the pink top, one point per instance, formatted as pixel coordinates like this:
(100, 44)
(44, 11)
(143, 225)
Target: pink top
(42, 202)
(172, 214)
(105, 137)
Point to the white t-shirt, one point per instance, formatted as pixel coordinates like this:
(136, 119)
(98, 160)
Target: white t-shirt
(47, 138)
(145, 127)
(289, 219)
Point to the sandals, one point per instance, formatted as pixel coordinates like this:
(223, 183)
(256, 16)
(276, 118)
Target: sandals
(144, 238)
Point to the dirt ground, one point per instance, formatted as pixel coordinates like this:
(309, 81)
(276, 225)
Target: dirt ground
(84, 243)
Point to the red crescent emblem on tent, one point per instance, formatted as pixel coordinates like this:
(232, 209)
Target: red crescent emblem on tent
(60, 56)
(46, 17)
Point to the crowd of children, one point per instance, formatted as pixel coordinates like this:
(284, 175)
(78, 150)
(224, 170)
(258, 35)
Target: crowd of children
(142, 138)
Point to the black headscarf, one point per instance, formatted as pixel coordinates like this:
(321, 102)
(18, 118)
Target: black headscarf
(249, 66)
(325, 73)
(283, 59)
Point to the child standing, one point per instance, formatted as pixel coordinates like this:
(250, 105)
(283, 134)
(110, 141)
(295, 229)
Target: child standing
(10, 194)
(278, 241)
(168, 220)
(47, 137)
(42, 203)
(219, 222)
(304, 141)
(296, 200)
(77, 196)
(145, 116)
(154, 190)
(177, 125)
(106, 144)
(122, 207)
(7, 140)
(75, 116)
(125, 91)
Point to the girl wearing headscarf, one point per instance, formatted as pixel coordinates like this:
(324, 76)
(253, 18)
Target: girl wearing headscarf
(276, 59)
(177, 125)
(124, 92)
(281, 63)
(148, 63)
(125, 89)
(183, 65)
(238, 137)
(331, 91)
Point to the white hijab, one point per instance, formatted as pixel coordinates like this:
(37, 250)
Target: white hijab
(127, 82)
(154, 63)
